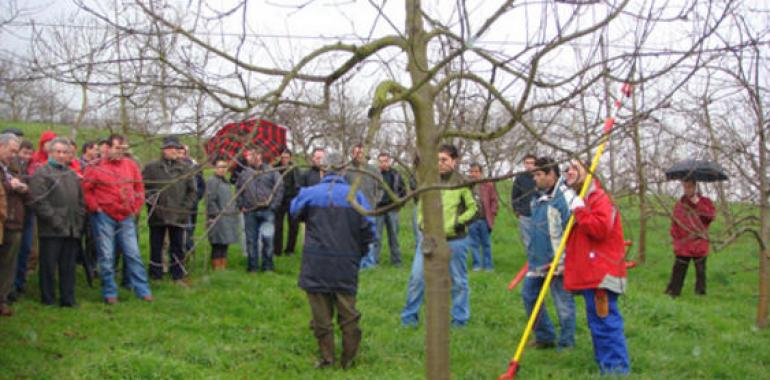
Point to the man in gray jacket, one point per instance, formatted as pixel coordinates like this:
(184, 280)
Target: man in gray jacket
(260, 191)
(57, 199)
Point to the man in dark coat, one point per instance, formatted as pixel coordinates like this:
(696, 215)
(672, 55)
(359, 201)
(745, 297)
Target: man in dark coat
(290, 189)
(369, 178)
(389, 219)
(337, 236)
(57, 199)
(312, 175)
(170, 195)
(260, 191)
(16, 193)
(521, 196)
(19, 167)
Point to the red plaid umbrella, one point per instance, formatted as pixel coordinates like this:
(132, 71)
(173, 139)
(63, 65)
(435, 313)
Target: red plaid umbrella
(228, 141)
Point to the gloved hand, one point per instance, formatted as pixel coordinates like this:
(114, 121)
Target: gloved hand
(575, 203)
(573, 199)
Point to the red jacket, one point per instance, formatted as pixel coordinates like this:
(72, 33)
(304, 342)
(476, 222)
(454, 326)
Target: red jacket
(114, 187)
(689, 226)
(595, 256)
(489, 202)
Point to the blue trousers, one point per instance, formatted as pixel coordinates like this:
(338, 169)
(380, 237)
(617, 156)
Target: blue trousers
(478, 236)
(108, 235)
(458, 270)
(260, 236)
(607, 334)
(565, 309)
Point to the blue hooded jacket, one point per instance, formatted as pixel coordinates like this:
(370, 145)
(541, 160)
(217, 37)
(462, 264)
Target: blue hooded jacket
(336, 236)
(550, 215)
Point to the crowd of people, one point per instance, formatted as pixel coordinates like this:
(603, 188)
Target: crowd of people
(93, 203)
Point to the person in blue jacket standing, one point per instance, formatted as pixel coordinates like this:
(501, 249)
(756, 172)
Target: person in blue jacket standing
(336, 238)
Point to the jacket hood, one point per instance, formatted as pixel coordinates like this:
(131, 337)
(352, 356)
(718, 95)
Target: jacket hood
(44, 138)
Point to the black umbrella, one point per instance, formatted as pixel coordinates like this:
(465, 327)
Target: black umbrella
(697, 170)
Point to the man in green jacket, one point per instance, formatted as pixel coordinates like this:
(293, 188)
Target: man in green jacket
(459, 207)
(170, 195)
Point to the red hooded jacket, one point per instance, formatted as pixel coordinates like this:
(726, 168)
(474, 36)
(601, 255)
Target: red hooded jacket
(40, 157)
(114, 187)
(689, 226)
(595, 256)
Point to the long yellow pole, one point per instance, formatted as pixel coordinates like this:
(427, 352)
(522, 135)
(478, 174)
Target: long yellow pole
(608, 124)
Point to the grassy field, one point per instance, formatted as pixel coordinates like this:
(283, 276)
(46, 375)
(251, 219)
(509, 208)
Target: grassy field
(235, 325)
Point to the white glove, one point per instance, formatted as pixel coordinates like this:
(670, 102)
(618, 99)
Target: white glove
(568, 193)
(575, 203)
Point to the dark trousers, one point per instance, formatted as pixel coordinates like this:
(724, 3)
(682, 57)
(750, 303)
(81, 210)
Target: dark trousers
(322, 307)
(25, 247)
(679, 271)
(219, 251)
(291, 242)
(8, 256)
(58, 252)
(175, 250)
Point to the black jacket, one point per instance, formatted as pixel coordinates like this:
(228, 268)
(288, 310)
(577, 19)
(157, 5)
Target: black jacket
(310, 177)
(57, 199)
(291, 181)
(396, 184)
(522, 192)
(170, 192)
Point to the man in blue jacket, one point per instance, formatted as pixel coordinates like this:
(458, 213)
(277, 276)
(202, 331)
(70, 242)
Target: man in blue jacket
(336, 238)
(550, 214)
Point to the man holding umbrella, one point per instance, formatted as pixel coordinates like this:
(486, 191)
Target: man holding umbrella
(692, 215)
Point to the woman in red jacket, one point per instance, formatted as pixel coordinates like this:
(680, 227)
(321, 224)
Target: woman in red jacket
(693, 214)
(594, 266)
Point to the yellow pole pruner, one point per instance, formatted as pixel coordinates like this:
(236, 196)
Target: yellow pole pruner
(513, 366)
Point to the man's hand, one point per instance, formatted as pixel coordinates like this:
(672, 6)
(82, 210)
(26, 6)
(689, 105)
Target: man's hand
(18, 186)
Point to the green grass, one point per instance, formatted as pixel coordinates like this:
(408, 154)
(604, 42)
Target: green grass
(234, 325)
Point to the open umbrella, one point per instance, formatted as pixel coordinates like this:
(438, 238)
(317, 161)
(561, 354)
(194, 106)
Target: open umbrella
(697, 170)
(230, 139)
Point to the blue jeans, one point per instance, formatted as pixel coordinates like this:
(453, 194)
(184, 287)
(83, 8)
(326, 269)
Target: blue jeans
(458, 270)
(260, 231)
(565, 309)
(24, 249)
(109, 234)
(525, 230)
(389, 220)
(478, 236)
(607, 334)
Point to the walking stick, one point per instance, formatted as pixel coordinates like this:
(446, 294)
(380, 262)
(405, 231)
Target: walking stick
(513, 366)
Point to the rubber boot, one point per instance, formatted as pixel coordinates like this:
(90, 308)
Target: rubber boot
(351, 339)
(326, 349)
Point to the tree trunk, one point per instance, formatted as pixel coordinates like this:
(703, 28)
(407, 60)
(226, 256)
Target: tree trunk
(764, 199)
(434, 246)
(641, 244)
